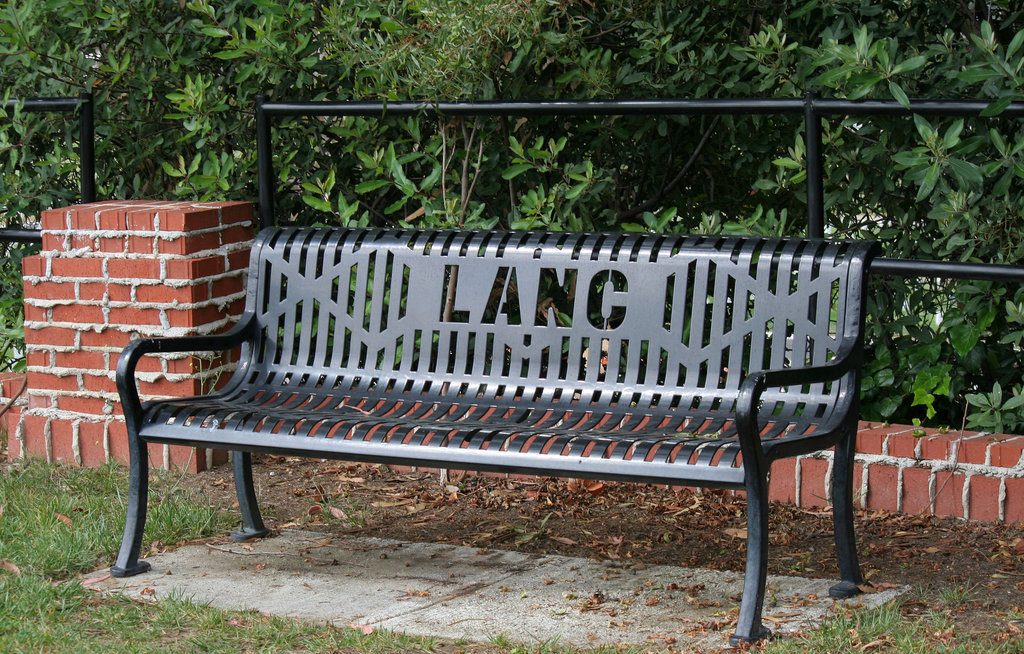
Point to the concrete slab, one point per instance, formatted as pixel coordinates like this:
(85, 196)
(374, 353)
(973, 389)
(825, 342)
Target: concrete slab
(457, 592)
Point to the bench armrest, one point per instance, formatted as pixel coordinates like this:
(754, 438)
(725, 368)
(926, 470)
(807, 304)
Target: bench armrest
(756, 383)
(134, 351)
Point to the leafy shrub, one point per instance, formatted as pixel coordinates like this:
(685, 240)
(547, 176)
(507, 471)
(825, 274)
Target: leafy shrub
(175, 83)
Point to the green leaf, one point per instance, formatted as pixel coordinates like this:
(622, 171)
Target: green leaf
(899, 94)
(371, 185)
(997, 107)
(966, 172)
(963, 338)
(909, 64)
(515, 170)
(216, 32)
(317, 203)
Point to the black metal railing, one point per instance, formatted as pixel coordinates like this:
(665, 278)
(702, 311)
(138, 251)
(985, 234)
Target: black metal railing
(813, 108)
(83, 106)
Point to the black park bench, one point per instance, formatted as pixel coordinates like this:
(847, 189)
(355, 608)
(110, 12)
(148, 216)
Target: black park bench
(682, 360)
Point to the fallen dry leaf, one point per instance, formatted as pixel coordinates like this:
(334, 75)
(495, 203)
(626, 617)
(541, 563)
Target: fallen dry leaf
(10, 567)
(63, 518)
(736, 532)
(365, 628)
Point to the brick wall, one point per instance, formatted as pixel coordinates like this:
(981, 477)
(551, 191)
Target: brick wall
(904, 469)
(110, 272)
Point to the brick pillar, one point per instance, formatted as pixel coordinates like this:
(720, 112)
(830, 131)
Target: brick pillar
(110, 272)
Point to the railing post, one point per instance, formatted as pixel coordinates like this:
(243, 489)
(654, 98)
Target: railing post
(815, 166)
(264, 165)
(86, 146)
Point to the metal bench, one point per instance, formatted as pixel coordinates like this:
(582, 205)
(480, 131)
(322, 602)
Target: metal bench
(683, 360)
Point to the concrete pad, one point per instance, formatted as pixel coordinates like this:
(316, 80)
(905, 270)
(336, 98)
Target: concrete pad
(458, 592)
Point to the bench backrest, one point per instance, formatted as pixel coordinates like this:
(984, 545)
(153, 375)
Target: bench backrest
(635, 318)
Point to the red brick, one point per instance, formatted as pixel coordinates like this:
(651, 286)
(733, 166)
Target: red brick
(54, 219)
(176, 246)
(783, 479)
(38, 400)
(50, 381)
(812, 482)
(133, 315)
(77, 267)
(189, 219)
(34, 266)
(227, 286)
(133, 268)
(1013, 511)
(949, 489)
(201, 242)
(78, 313)
(193, 317)
(120, 292)
(236, 234)
(61, 336)
(36, 314)
(99, 383)
(114, 220)
(235, 212)
(37, 357)
(141, 244)
(113, 245)
(35, 435)
(90, 443)
(82, 218)
(89, 405)
(109, 338)
(902, 444)
(10, 382)
(187, 458)
(91, 291)
(53, 242)
(80, 241)
(140, 219)
(118, 436)
(983, 497)
(161, 293)
(238, 260)
(869, 440)
(973, 449)
(195, 268)
(236, 307)
(938, 447)
(83, 360)
(50, 290)
(61, 440)
(882, 487)
(1007, 453)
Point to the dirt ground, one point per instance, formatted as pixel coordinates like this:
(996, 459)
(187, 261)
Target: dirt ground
(645, 524)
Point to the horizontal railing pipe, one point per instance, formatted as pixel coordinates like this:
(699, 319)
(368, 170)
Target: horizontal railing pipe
(20, 235)
(995, 272)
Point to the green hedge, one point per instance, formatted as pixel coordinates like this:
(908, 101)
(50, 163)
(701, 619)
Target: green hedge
(175, 81)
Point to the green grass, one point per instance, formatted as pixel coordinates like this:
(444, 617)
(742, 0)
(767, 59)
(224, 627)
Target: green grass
(57, 522)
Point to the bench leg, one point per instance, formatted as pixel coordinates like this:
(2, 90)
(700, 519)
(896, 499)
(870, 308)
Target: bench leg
(128, 563)
(252, 521)
(749, 628)
(842, 518)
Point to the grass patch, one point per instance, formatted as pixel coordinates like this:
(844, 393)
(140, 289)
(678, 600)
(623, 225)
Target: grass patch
(57, 522)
